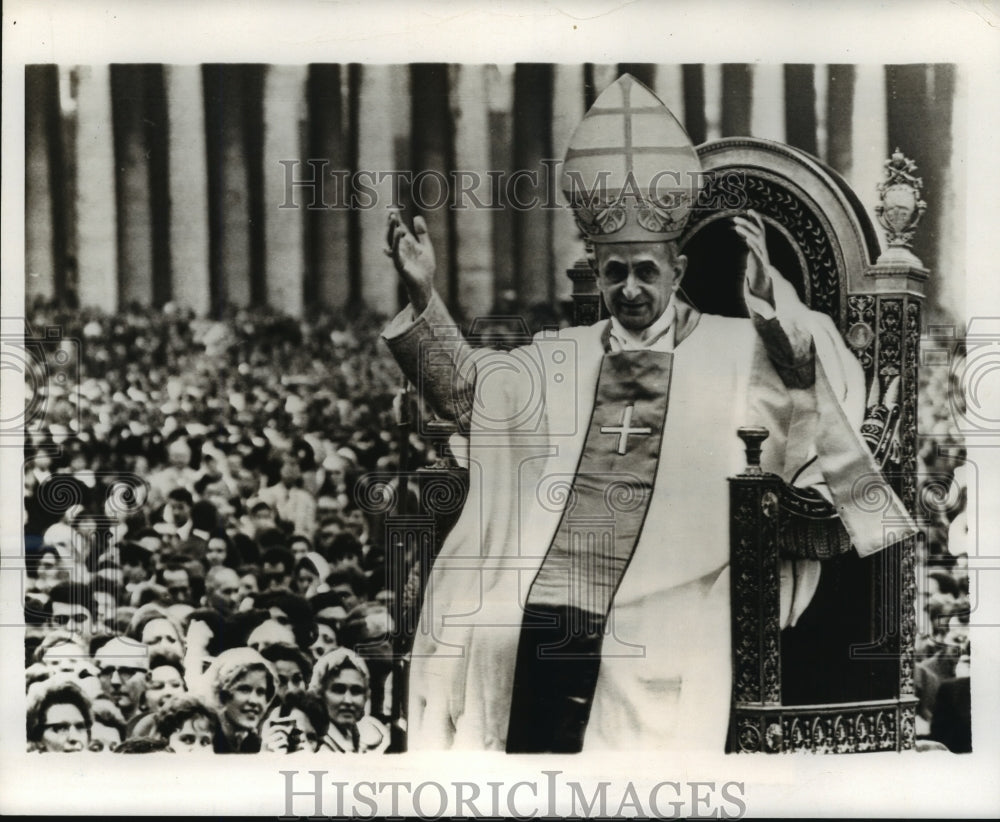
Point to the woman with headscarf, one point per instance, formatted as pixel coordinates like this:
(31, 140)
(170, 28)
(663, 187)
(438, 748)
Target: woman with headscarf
(242, 684)
(311, 572)
(342, 680)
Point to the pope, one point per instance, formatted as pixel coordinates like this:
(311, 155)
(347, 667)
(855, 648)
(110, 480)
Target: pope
(582, 600)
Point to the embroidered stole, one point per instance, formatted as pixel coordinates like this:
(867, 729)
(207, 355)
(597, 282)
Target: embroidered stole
(565, 615)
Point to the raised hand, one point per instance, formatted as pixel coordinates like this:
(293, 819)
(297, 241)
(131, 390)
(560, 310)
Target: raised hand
(751, 229)
(413, 256)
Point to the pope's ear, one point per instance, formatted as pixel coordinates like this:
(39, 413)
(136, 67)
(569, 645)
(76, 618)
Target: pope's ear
(680, 265)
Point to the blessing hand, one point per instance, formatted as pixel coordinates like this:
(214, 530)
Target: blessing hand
(751, 229)
(413, 256)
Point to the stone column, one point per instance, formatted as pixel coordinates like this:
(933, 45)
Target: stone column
(670, 88)
(604, 75)
(712, 73)
(948, 268)
(532, 143)
(327, 269)
(473, 218)
(869, 142)
(693, 75)
(379, 100)
(800, 107)
(821, 86)
(767, 116)
(500, 91)
(284, 116)
(97, 252)
(134, 217)
(839, 121)
(737, 99)
(230, 207)
(39, 258)
(567, 112)
(188, 186)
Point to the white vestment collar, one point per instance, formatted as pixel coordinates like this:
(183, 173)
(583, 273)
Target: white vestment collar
(658, 336)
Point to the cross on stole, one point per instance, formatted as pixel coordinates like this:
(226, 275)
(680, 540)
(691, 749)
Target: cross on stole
(625, 429)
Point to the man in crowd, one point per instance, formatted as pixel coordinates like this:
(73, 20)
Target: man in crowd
(292, 503)
(122, 667)
(222, 590)
(73, 609)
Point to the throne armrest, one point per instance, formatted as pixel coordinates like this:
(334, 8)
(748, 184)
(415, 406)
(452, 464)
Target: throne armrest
(769, 522)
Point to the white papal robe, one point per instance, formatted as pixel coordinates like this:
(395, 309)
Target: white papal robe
(665, 673)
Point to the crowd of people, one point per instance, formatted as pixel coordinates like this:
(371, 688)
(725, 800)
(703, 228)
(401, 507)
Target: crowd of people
(205, 569)
(944, 604)
(207, 564)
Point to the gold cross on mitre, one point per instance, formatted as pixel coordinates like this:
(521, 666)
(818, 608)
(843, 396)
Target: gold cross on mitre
(625, 430)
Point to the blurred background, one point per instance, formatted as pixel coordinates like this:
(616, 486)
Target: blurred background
(152, 184)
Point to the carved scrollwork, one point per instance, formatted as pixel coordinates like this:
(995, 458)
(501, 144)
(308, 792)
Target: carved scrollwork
(748, 737)
(773, 737)
(852, 730)
(908, 419)
(861, 336)
(907, 728)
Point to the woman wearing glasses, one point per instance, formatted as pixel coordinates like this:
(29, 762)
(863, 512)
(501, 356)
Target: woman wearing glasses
(341, 679)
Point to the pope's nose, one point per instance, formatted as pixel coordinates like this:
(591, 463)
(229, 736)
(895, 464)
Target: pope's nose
(631, 289)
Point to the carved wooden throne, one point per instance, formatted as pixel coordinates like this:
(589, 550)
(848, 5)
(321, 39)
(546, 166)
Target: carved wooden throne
(841, 680)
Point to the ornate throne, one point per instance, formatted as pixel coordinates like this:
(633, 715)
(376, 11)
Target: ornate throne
(841, 680)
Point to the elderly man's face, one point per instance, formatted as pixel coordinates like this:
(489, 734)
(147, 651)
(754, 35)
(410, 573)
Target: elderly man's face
(160, 636)
(122, 668)
(223, 591)
(636, 280)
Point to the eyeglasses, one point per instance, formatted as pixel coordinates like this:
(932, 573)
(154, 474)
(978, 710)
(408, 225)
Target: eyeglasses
(64, 619)
(63, 728)
(340, 689)
(123, 671)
